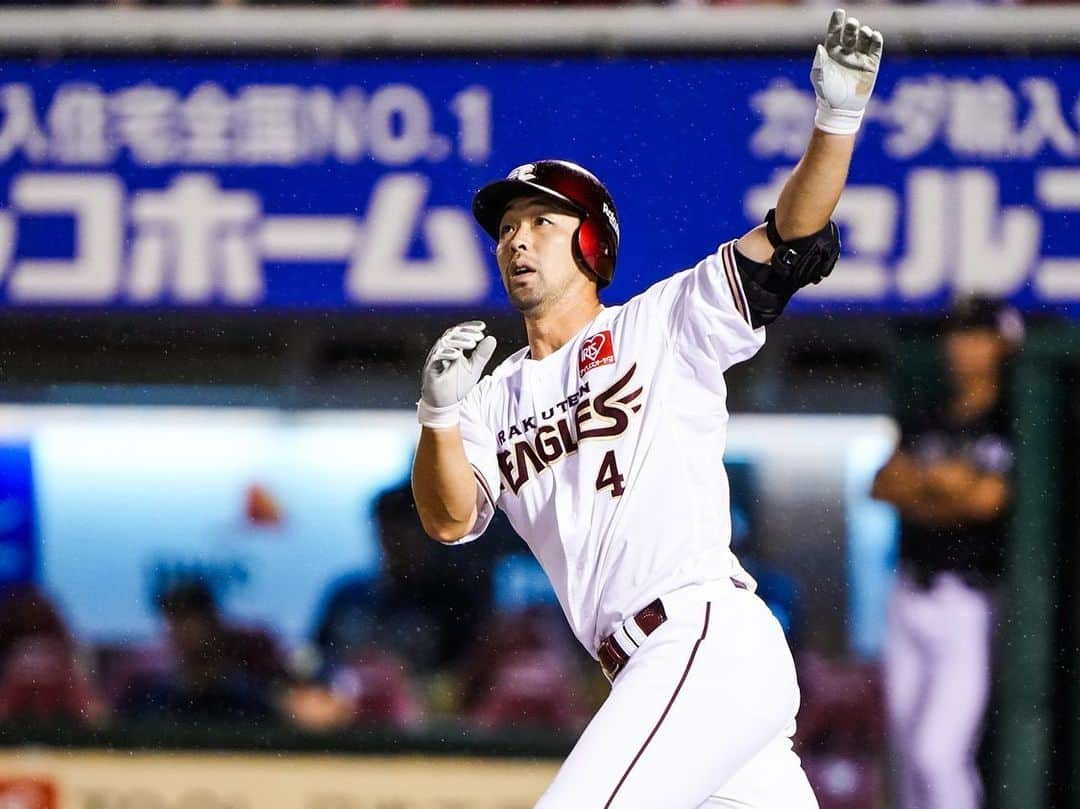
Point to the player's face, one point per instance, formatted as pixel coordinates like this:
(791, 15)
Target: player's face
(535, 257)
(974, 353)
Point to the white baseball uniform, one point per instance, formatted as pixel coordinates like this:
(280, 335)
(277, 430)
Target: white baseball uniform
(607, 456)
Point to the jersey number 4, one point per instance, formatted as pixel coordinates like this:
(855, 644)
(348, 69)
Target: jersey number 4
(609, 476)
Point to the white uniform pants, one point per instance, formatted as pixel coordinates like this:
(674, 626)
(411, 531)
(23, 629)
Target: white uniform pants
(937, 681)
(701, 716)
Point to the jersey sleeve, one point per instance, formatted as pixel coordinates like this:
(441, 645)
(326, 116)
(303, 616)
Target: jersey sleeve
(479, 443)
(706, 312)
(992, 454)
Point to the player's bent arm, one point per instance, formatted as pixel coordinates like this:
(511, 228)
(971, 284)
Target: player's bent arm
(988, 498)
(985, 496)
(899, 482)
(443, 485)
(444, 488)
(903, 483)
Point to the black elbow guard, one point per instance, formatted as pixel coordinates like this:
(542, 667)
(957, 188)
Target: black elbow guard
(795, 264)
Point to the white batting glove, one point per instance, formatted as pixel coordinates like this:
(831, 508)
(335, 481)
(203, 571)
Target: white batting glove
(449, 374)
(844, 71)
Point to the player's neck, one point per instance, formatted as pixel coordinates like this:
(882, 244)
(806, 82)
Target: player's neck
(552, 330)
(975, 396)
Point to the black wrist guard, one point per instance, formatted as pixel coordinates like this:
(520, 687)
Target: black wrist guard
(795, 263)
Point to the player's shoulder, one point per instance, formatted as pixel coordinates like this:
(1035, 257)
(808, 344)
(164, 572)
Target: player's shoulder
(669, 287)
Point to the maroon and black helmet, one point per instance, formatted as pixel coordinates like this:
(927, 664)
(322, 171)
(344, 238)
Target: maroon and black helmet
(596, 243)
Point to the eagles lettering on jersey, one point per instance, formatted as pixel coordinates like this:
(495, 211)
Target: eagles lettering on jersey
(607, 415)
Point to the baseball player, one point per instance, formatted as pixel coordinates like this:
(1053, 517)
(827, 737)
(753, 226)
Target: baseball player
(950, 480)
(603, 440)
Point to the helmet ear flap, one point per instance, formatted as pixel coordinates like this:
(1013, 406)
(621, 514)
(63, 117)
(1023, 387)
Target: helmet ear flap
(591, 251)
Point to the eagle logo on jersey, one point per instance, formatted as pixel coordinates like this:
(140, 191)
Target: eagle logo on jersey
(596, 351)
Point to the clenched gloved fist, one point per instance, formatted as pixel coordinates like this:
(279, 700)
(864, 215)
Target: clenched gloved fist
(844, 71)
(449, 373)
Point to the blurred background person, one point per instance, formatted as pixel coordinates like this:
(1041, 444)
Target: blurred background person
(215, 670)
(383, 643)
(44, 674)
(524, 671)
(426, 603)
(949, 480)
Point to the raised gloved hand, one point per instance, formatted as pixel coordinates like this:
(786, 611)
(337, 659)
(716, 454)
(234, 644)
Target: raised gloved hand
(449, 373)
(844, 71)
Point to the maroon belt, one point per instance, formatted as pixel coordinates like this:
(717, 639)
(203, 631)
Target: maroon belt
(611, 655)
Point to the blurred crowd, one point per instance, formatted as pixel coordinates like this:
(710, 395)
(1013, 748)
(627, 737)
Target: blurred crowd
(464, 635)
(206, 669)
(473, 633)
(520, 671)
(422, 641)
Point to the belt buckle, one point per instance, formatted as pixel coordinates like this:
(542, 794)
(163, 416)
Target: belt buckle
(609, 673)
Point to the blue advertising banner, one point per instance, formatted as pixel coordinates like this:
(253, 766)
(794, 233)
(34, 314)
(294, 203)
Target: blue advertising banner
(305, 185)
(18, 516)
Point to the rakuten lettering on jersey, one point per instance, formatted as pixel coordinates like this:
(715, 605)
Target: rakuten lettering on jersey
(605, 416)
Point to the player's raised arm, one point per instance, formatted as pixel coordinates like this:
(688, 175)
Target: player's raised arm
(798, 245)
(843, 74)
(442, 478)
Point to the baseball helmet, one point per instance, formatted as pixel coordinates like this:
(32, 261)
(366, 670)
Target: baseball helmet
(977, 312)
(596, 242)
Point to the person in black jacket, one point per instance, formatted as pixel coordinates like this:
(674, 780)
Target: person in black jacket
(949, 479)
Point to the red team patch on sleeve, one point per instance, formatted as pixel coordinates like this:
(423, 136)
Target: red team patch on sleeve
(596, 351)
